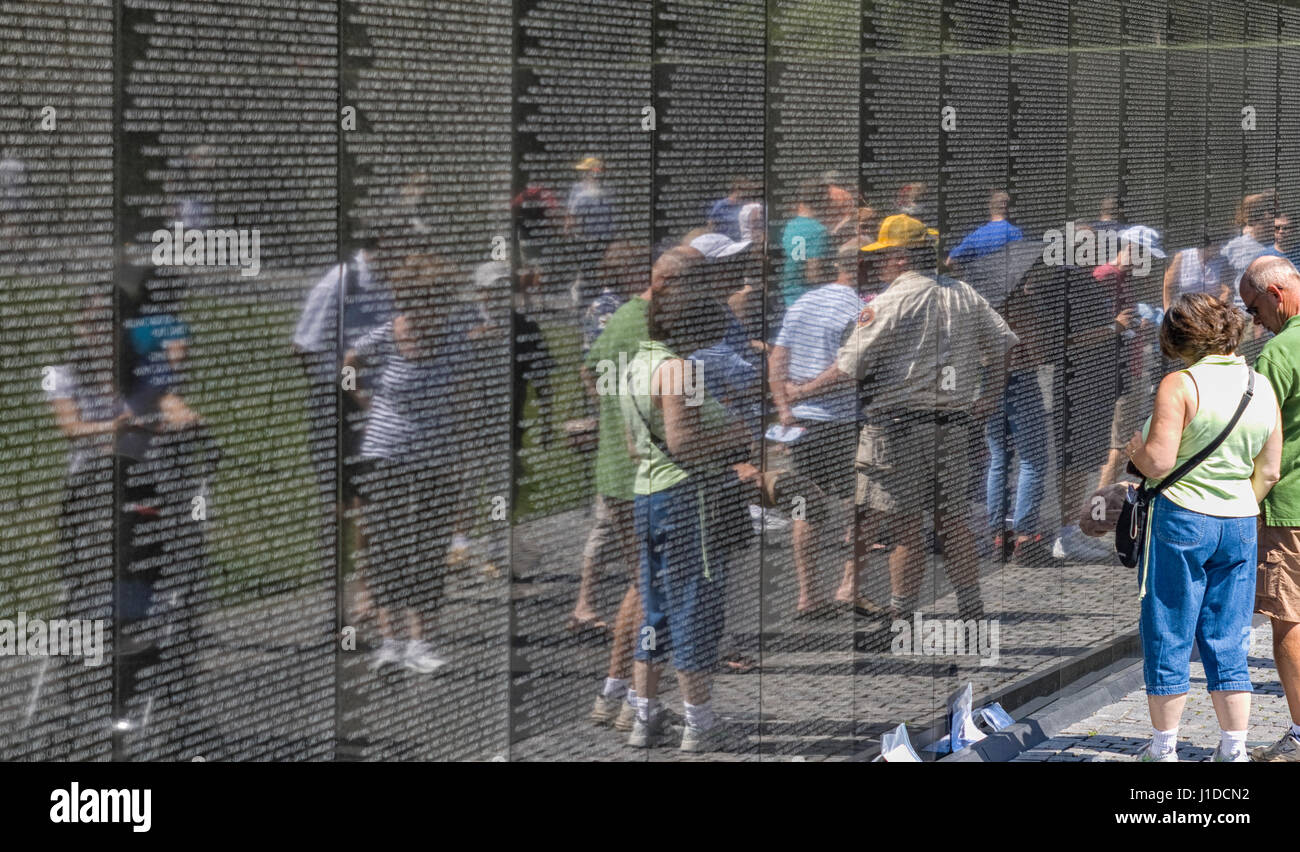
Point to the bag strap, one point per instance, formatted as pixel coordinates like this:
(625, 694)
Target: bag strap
(662, 443)
(654, 439)
(1209, 448)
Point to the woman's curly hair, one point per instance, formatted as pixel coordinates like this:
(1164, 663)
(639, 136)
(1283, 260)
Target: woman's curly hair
(1197, 324)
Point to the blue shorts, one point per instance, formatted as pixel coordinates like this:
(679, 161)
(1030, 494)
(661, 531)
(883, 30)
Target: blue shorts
(1200, 585)
(682, 587)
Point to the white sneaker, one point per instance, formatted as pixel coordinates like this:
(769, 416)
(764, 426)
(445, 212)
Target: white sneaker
(767, 520)
(390, 653)
(1148, 756)
(723, 736)
(659, 731)
(1072, 545)
(420, 658)
(1240, 756)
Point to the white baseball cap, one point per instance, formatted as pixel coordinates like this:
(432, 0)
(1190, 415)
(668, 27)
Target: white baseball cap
(1148, 238)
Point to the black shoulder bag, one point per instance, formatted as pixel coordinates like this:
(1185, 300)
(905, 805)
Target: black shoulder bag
(1130, 531)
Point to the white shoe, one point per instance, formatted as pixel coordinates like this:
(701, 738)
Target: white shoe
(1072, 545)
(1148, 756)
(663, 729)
(420, 658)
(1240, 756)
(390, 653)
(768, 520)
(723, 736)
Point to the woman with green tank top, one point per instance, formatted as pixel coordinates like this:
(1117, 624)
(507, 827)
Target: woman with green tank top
(685, 443)
(1197, 569)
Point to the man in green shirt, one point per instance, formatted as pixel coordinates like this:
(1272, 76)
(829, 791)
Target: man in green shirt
(615, 476)
(1270, 290)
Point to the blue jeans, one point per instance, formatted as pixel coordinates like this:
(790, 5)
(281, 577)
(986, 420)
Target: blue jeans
(1022, 428)
(682, 587)
(1200, 585)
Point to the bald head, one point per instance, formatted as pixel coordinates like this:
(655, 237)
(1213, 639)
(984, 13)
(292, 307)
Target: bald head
(1270, 270)
(1270, 290)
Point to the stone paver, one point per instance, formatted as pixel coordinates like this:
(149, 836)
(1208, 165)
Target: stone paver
(1118, 732)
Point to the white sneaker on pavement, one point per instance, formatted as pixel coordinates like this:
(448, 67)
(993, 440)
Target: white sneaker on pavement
(390, 653)
(1240, 756)
(1148, 756)
(420, 658)
(659, 731)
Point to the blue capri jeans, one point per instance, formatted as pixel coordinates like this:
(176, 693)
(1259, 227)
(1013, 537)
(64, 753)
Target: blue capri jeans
(1200, 585)
(682, 585)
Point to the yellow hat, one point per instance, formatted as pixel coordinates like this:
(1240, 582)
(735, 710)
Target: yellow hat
(590, 164)
(902, 231)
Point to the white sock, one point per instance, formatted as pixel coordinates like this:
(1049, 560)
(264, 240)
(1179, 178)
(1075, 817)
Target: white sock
(631, 696)
(1163, 742)
(700, 716)
(1295, 730)
(615, 687)
(647, 708)
(1232, 742)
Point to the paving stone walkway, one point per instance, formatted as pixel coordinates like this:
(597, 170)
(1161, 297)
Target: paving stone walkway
(1118, 732)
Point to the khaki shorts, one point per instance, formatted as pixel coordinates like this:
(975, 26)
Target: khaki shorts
(913, 464)
(613, 523)
(1277, 580)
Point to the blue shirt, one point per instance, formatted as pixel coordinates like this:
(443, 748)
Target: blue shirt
(732, 377)
(1240, 252)
(986, 239)
(725, 215)
(152, 375)
(597, 316)
(592, 207)
(805, 237)
(413, 409)
(813, 330)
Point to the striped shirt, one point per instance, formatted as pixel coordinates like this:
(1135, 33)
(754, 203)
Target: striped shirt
(813, 330)
(414, 406)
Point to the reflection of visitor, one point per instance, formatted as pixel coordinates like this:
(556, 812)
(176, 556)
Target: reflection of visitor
(413, 477)
(1197, 270)
(992, 235)
(724, 215)
(931, 352)
(686, 537)
(1285, 238)
(1255, 219)
(616, 472)
(589, 221)
(806, 345)
(89, 413)
(804, 241)
(346, 303)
